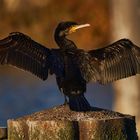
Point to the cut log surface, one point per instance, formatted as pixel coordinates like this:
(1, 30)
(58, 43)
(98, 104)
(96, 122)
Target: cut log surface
(60, 123)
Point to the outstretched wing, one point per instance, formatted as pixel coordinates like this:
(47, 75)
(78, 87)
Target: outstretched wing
(21, 51)
(116, 61)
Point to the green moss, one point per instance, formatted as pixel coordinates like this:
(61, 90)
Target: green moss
(15, 135)
(66, 132)
(35, 133)
(111, 131)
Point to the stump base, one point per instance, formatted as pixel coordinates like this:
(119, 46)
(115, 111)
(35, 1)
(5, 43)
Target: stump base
(60, 123)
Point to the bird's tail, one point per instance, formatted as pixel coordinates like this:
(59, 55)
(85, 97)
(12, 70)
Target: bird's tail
(79, 103)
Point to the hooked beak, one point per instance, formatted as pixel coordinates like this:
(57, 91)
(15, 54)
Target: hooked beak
(75, 27)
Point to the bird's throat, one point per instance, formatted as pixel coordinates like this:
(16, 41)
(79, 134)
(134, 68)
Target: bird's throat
(64, 43)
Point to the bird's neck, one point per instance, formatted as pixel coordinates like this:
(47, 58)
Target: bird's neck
(64, 43)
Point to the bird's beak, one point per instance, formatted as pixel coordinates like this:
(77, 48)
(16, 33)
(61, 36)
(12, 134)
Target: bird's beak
(75, 27)
(81, 26)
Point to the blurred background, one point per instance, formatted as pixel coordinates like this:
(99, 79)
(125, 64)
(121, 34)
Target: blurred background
(22, 93)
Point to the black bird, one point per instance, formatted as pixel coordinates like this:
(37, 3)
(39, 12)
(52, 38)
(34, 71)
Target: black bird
(73, 67)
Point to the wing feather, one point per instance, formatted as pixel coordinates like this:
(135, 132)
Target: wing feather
(116, 61)
(21, 51)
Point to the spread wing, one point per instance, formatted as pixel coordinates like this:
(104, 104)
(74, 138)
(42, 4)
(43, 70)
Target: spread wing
(116, 61)
(21, 51)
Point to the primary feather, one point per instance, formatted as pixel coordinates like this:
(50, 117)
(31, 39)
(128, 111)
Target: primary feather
(118, 60)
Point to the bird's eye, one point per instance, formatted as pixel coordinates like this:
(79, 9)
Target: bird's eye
(67, 31)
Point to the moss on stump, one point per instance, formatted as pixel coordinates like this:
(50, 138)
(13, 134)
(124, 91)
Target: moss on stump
(60, 123)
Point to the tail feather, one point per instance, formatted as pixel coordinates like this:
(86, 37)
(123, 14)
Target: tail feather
(79, 103)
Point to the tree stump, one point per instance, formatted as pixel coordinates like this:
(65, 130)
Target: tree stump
(60, 123)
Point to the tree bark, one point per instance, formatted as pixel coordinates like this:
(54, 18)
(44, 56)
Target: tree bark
(125, 24)
(3, 133)
(60, 123)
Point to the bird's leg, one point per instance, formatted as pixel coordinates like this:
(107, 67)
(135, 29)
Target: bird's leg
(65, 97)
(66, 101)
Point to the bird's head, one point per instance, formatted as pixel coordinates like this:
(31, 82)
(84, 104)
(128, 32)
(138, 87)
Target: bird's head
(65, 28)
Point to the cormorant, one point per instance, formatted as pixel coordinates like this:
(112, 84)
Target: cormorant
(73, 67)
